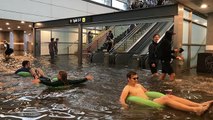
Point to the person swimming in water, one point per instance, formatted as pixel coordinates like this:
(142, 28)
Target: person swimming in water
(26, 67)
(62, 80)
(133, 88)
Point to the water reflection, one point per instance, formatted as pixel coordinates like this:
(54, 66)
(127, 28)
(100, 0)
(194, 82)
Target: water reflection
(96, 99)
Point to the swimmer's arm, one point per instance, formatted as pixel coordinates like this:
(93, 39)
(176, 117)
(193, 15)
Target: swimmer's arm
(82, 80)
(123, 97)
(77, 81)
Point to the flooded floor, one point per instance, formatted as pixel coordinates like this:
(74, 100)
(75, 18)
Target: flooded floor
(97, 99)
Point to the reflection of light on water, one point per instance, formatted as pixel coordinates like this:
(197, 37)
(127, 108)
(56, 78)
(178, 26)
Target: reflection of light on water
(23, 118)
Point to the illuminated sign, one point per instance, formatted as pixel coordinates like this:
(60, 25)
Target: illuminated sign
(78, 20)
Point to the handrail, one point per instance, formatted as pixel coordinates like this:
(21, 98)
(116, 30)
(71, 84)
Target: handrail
(147, 30)
(99, 39)
(163, 33)
(127, 37)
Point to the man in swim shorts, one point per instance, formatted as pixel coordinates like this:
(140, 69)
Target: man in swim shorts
(133, 88)
(26, 67)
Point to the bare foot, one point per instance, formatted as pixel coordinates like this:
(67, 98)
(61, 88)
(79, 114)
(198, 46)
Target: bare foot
(207, 103)
(201, 110)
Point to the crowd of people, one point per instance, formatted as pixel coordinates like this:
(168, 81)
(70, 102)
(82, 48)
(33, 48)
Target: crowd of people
(135, 4)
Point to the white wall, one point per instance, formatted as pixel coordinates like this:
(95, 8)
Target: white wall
(67, 44)
(42, 10)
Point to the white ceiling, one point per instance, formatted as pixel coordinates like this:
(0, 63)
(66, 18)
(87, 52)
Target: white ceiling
(195, 4)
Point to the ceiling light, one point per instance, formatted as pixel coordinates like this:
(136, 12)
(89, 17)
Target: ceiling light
(30, 25)
(39, 24)
(205, 24)
(25, 31)
(22, 22)
(8, 28)
(1, 29)
(204, 6)
(18, 27)
(7, 23)
(196, 20)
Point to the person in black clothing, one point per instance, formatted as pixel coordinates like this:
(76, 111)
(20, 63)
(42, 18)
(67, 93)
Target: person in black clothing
(153, 60)
(8, 51)
(164, 52)
(62, 80)
(35, 72)
(56, 46)
(109, 38)
(160, 2)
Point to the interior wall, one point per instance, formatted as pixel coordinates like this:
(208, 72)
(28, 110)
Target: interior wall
(67, 44)
(43, 10)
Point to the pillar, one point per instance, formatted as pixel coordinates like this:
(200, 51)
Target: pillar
(178, 30)
(209, 41)
(80, 41)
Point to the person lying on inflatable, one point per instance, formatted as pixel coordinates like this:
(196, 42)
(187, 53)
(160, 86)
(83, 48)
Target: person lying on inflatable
(133, 88)
(27, 71)
(61, 80)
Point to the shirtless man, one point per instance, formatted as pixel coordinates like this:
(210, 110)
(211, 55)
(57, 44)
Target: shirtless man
(26, 67)
(133, 88)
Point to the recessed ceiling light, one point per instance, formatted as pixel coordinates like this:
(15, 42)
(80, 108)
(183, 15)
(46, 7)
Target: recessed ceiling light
(196, 20)
(8, 28)
(18, 27)
(30, 25)
(1, 29)
(39, 24)
(204, 6)
(22, 22)
(7, 23)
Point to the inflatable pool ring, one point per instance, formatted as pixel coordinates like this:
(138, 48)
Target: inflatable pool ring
(153, 94)
(142, 101)
(24, 74)
(54, 79)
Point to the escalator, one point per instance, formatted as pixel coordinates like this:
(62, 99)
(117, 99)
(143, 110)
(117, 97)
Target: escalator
(141, 45)
(132, 37)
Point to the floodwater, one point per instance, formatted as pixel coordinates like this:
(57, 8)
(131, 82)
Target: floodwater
(97, 99)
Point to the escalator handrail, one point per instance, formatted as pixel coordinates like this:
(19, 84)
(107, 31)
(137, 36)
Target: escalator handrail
(144, 40)
(94, 45)
(150, 27)
(127, 37)
(170, 26)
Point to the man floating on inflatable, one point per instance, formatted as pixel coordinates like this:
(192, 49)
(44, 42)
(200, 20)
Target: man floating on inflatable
(135, 92)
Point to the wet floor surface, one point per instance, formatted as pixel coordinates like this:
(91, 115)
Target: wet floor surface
(97, 99)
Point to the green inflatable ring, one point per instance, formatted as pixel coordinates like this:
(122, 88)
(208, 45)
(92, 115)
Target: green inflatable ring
(142, 101)
(54, 79)
(24, 74)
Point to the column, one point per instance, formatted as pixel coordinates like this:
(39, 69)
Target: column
(209, 41)
(178, 30)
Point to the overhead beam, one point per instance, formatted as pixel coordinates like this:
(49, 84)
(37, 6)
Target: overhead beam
(132, 15)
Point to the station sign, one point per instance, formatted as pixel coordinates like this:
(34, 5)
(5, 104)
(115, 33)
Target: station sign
(79, 20)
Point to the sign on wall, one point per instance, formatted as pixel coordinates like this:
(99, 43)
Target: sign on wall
(80, 20)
